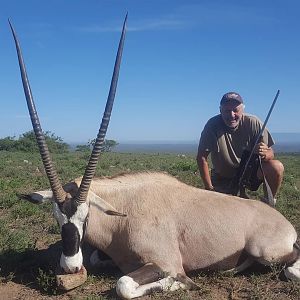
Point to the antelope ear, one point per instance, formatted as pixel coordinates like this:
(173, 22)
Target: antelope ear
(38, 197)
(103, 205)
(71, 188)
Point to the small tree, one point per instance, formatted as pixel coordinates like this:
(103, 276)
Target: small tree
(7, 143)
(56, 143)
(107, 146)
(83, 148)
(27, 143)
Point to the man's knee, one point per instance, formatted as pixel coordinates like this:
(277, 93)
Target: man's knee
(272, 168)
(278, 167)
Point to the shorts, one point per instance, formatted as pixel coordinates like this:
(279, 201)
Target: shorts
(221, 184)
(250, 180)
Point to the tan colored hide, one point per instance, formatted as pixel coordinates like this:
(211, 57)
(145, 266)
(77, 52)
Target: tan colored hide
(182, 228)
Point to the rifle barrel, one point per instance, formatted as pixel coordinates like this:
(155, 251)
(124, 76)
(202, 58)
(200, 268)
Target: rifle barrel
(259, 136)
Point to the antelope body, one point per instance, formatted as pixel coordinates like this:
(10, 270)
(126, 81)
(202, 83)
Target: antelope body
(176, 228)
(155, 228)
(181, 228)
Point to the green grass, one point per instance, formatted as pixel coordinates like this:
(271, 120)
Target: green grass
(26, 228)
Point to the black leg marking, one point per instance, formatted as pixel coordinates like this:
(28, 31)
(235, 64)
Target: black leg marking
(188, 282)
(148, 273)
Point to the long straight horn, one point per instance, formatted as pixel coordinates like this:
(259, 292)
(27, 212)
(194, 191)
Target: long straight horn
(59, 193)
(91, 167)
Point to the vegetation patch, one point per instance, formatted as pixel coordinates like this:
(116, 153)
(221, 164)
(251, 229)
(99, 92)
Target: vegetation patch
(29, 235)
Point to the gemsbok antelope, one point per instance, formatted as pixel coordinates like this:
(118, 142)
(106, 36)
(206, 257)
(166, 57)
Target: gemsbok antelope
(155, 228)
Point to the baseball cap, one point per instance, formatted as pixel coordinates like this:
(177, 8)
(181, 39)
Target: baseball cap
(231, 96)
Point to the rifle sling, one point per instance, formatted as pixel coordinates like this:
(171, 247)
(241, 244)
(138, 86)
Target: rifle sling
(270, 200)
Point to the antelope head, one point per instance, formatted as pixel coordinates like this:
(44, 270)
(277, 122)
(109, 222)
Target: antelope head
(70, 208)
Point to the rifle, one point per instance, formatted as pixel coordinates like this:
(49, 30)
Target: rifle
(241, 179)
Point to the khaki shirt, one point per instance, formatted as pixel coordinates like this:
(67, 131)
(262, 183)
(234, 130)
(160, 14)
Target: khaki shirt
(226, 145)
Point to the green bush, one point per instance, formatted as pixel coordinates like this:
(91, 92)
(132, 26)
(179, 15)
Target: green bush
(27, 143)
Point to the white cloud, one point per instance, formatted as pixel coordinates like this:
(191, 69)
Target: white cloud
(21, 116)
(188, 16)
(162, 24)
(143, 25)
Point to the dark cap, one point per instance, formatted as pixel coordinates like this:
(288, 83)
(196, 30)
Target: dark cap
(231, 96)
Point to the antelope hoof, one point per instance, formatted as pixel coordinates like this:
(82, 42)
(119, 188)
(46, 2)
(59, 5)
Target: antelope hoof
(292, 273)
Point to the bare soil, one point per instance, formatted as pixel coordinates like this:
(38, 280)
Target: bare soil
(26, 281)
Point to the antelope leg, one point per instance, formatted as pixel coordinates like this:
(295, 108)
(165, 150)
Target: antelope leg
(150, 278)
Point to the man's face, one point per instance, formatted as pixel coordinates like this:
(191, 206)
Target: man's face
(231, 113)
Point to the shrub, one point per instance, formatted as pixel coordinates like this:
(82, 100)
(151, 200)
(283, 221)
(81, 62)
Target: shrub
(27, 143)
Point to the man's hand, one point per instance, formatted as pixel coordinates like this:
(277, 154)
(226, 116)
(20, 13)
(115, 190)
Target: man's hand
(210, 188)
(262, 149)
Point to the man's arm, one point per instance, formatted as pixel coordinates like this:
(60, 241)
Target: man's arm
(204, 169)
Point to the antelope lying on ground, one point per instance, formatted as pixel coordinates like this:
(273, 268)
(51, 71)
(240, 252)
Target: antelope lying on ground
(155, 228)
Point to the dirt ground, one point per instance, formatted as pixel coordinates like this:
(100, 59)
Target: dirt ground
(28, 282)
(29, 275)
(228, 289)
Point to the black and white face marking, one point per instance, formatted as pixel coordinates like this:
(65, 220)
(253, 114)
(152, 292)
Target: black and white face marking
(70, 239)
(72, 233)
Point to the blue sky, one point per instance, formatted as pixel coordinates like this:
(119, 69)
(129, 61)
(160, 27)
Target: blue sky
(179, 58)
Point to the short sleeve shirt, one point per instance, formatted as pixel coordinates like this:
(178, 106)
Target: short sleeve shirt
(226, 145)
